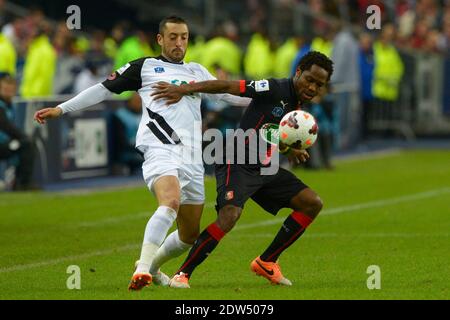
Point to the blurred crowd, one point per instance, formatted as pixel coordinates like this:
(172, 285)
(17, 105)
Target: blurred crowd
(47, 58)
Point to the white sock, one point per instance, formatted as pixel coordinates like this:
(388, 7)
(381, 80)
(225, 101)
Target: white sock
(171, 248)
(155, 232)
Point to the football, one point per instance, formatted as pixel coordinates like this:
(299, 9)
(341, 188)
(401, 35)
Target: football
(298, 129)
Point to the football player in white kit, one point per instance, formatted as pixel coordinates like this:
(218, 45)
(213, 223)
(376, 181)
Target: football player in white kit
(170, 139)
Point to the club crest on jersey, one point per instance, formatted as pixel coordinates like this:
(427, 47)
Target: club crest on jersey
(262, 85)
(229, 195)
(159, 70)
(270, 133)
(277, 112)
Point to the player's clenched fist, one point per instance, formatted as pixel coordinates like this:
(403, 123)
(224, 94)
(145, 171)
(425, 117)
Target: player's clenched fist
(47, 113)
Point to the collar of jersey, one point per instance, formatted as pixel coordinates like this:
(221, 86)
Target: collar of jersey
(160, 57)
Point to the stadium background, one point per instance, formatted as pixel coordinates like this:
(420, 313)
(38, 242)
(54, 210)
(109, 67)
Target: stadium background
(406, 137)
(251, 39)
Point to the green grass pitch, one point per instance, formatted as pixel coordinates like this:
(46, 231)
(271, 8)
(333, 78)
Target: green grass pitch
(392, 211)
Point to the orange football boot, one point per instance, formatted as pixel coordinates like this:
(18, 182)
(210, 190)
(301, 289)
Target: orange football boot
(269, 270)
(139, 281)
(179, 281)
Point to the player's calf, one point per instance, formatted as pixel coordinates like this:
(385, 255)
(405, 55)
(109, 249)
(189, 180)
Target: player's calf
(307, 205)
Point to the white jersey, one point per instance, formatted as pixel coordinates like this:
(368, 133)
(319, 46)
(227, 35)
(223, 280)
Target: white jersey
(160, 124)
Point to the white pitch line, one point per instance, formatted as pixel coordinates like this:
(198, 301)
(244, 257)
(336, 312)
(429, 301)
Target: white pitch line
(21, 267)
(343, 209)
(356, 207)
(96, 223)
(355, 235)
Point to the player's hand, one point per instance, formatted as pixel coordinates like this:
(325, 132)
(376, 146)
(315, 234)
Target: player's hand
(296, 156)
(170, 92)
(47, 113)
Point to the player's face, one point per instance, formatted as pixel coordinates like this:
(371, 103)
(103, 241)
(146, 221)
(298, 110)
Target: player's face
(309, 83)
(174, 41)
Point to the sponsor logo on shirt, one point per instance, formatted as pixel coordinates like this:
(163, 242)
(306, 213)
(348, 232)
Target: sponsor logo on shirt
(270, 133)
(262, 85)
(122, 69)
(159, 70)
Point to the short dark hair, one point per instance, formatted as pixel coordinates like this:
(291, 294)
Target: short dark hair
(171, 19)
(317, 58)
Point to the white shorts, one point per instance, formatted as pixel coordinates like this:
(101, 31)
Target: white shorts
(178, 161)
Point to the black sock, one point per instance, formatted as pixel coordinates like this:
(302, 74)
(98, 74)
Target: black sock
(202, 247)
(293, 227)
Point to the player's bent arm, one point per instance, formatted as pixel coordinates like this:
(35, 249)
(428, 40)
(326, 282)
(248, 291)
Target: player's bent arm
(172, 93)
(213, 86)
(228, 91)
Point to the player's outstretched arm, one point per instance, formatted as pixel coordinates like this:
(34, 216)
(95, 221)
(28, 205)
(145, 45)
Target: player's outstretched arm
(93, 95)
(47, 113)
(172, 93)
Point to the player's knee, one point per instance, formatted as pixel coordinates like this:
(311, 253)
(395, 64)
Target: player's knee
(228, 216)
(310, 205)
(172, 202)
(315, 206)
(190, 237)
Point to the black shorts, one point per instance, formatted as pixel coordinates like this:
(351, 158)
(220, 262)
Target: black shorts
(237, 183)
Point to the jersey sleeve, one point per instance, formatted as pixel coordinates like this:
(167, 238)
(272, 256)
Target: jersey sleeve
(259, 88)
(126, 78)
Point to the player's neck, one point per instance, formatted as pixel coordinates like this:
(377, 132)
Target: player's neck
(166, 59)
(299, 98)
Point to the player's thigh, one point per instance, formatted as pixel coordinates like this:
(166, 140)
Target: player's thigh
(278, 190)
(160, 171)
(192, 182)
(188, 221)
(235, 184)
(167, 191)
